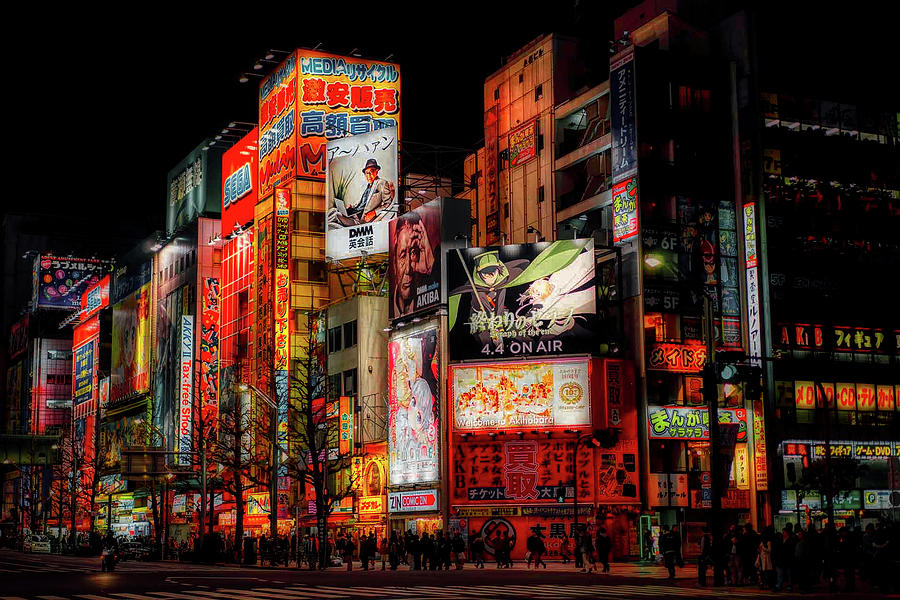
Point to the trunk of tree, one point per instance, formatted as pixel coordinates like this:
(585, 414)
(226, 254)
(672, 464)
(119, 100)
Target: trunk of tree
(157, 528)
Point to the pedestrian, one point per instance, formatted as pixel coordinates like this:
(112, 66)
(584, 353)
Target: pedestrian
(848, 558)
(748, 546)
(541, 549)
(667, 547)
(507, 546)
(784, 559)
(393, 551)
(498, 551)
(803, 561)
(604, 545)
(428, 549)
(458, 547)
(705, 557)
(648, 544)
(373, 549)
(765, 559)
(734, 557)
(676, 540)
(587, 550)
(478, 551)
(348, 552)
(579, 555)
(446, 551)
(565, 549)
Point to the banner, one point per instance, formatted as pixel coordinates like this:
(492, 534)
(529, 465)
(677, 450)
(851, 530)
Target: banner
(492, 174)
(522, 300)
(83, 376)
(209, 356)
(413, 407)
(361, 194)
(186, 391)
(131, 345)
(282, 307)
(692, 423)
(521, 395)
(415, 261)
(522, 144)
(623, 121)
(60, 282)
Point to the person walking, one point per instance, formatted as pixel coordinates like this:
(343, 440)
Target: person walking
(565, 549)
(676, 540)
(734, 557)
(705, 557)
(587, 550)
(784, 559)
(348, 552)
(604, 545)
(579, 555)
(667, 547)
(458, 548)
(766, 559)
(478, 551)
(393, 551)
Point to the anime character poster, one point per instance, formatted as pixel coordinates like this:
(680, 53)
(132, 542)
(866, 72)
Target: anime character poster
(114, 435)
(522, 300)
(166, 381)
(209, 355)
(131, 345)
(361, 194)
(413, 407)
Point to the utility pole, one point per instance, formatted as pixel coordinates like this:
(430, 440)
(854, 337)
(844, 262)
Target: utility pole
(711, 398)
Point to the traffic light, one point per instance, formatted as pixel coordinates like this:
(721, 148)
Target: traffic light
(561, 495)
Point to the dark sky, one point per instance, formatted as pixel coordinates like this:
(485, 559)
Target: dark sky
(106, 108)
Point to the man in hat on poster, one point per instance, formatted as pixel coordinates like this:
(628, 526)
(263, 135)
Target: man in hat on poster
(378, 195)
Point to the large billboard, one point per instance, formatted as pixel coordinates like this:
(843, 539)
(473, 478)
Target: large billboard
(360, 193)
(415, 261)
(522, 300)
(282, 325)
(414, 407)
(95, 298)
(166, 379)
(313, 97)
(186, 391)
(59, 282)
(521, 395)
(193, 187)
(239, 181)
(209, 356)
(131, 345)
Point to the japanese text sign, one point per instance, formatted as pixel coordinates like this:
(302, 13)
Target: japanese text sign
(677, 358)
(186, 391)
(60, 282)
(692, 423)
(523, 144)
(625, 209)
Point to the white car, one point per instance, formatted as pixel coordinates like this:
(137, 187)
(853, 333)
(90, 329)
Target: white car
(37, 543)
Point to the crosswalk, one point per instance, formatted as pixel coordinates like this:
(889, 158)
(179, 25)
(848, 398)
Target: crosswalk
(49, 564)
(481, 592)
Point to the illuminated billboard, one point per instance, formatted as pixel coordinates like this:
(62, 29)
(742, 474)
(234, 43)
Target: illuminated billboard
(131, 345)
(209, 355)
(414, 407)
(186, 391)
(95, 298)
(59, 282)
(521, 395)
(313, 97)
(282, 308)
(360, 193)
(522, 300)
(415, 261)
(193, 187)
(523, 144)
(239, 182)
(85, 356)
(692, 423)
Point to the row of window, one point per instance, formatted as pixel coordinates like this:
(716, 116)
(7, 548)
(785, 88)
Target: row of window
(342, 384)
(342, 336)
(182, 263)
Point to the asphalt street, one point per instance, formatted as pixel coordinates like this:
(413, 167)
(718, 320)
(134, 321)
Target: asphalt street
(46, 577)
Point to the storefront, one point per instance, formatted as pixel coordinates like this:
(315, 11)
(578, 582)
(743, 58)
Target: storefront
(416, 511)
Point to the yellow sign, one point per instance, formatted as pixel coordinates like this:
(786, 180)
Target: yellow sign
(487, 511)
(741, 467)
(371, 505)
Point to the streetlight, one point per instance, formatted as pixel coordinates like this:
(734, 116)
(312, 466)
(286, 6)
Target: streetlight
(711, 399)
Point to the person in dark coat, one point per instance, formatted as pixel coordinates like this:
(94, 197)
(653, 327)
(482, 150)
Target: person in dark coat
(604, 545)
(477, 546)
(668, 548)
(705, 557)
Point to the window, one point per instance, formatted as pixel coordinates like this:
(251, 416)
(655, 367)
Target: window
(334, 385)
(308, 221)
(350, 383)
(521, 76)
(538, 92)
(349, 334)
(667, 456)
(309, 270)
(496, 93)
(334, 339)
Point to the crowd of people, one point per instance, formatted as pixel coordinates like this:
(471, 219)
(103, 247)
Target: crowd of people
(795, 558)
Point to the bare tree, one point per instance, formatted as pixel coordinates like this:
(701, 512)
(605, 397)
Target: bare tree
(316, 459)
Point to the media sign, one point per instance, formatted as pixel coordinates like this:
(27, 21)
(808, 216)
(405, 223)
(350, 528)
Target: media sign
(95, 298)
(418, 501)
(361, 193)
(522, 300)
(313, 97)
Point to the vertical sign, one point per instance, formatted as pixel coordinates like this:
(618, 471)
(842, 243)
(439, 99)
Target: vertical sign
(282, 322)
(186, 390)
(345, 447)
(209, 356)
(623, 124)
(760, 458)
(278, 126)
(492, 174)
(753, 326)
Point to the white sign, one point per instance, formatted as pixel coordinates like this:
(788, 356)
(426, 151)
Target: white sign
(418, 501)
(361, 193)
(668, 489)
(880, 499)
(186, 390)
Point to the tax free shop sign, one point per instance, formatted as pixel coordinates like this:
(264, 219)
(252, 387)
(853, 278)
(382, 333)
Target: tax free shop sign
(186, 390)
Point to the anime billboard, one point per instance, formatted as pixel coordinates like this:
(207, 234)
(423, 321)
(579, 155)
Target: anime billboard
(414, 407)
(166, 380)
(131, 345)
(360, 193)
(522, 300)
(512, 395)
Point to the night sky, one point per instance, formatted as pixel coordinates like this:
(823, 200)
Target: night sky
(104, 111)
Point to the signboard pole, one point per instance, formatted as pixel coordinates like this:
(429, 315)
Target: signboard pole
(711, 396)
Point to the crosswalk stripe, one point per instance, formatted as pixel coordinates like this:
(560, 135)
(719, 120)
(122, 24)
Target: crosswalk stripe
(279, 595)
(92, 597)
(207, 594)
(11, 598)
(52, 598)
(181, 596)
(318, 591)
(133, 596)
